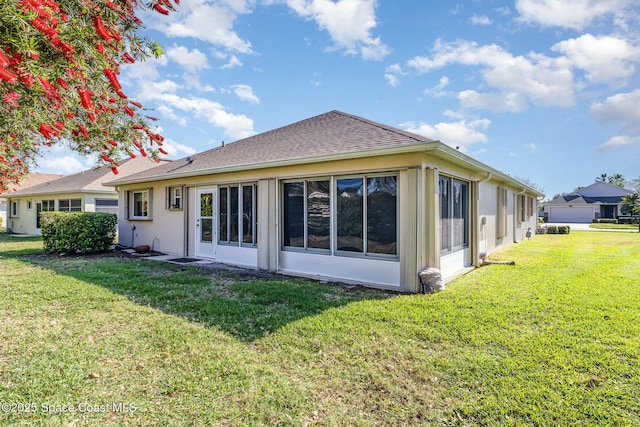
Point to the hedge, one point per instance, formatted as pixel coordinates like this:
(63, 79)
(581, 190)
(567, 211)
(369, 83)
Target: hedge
(81, 232)
(558, 229)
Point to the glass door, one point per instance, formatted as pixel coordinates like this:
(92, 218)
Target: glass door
(205, 230)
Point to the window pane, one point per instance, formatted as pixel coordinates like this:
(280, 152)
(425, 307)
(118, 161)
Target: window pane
(140, 203)
(459, 213)
(206, 229)
(293, 214)
(381, 215)
(233, 214)
(445, 214)
(349, 214)
(76, 205)
(247, 214)
(63, 205)
(318, 215)
(223, 235)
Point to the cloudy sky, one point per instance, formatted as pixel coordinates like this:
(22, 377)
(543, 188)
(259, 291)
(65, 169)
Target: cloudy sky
(547, 90)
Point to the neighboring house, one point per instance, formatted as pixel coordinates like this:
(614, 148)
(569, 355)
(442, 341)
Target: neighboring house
(78, 192)
(28, 181)
(597, 201)
(334, 196)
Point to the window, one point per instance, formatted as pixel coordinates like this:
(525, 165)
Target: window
(237, 214)
(15, 211)
(307, 214)
(70, 205)
(501, 213)
(365, 215)
(530, 204)
(140, 204)
(106, 205)
(174, 198)
(43, 206)
(522, 208)
(454, 214)
(30, 204)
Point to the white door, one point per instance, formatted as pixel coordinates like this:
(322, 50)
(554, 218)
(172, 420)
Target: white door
(205, 222)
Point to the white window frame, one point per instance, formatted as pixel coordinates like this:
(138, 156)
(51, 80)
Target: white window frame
(146, 193)
(70, 207)
(175, 198)
(14, 209)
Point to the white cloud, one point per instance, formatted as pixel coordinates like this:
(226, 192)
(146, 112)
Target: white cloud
(621, 108)
(518, 80)
(177, 150)
(233, 62)
(68, 164)
(193, 61)
(245, 93)
(480, 20)
(437, 90)
(392, 74)
(459, 134)
(575, 14)
(348, 22)
(210, 22)
(605, 59)
(235, 125)
(619, 141)
(532, 147)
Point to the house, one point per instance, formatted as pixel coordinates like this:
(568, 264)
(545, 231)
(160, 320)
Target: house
(78, 192)
(597, 201)
(334, 196)
(28, 181)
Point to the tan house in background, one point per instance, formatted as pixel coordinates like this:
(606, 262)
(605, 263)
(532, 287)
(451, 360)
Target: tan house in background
(81, 192)
(28, 181)
(335, 196)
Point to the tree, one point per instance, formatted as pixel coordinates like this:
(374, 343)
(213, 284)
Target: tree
(631, 205)
(615, 179)
(59, 67)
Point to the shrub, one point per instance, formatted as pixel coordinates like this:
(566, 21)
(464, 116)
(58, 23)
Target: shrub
(84, 232)
(628, 220)
(552, 229)
(563, 229)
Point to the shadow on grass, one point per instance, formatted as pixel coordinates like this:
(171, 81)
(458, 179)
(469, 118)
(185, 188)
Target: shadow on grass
(239, 304)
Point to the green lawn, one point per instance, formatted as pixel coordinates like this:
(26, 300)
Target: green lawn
(551, 341)
(606, 226)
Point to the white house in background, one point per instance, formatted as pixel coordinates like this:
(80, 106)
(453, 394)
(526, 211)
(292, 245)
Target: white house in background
(28, 181)
(334, 196)
(82, 191)
(597, 201)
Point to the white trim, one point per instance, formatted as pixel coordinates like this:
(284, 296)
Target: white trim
(359, 270)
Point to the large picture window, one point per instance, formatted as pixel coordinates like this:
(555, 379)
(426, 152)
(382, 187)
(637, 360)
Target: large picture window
(237, 215)
(454, 214)
(364, 219)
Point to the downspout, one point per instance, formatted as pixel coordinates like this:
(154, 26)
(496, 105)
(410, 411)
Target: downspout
(185, 220)
(515, 213)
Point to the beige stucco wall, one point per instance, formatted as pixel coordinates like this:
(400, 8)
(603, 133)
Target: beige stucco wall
(173, 232)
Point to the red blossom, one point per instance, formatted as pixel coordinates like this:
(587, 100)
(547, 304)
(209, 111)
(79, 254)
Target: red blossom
(7, 76)
(112, 142)
(114, 170)
(98, 24)
(162, 150)
(137, 104)
(129, 111)
(160, 9)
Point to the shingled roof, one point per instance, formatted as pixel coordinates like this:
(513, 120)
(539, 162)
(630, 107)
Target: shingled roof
(87, 181)
(330, 134)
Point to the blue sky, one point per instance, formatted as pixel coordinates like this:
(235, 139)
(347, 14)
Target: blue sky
(547, 90)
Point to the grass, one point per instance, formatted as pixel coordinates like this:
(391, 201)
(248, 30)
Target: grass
(551, 341)
(606, 226)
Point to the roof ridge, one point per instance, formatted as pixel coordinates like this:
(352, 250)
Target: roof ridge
(384, 127)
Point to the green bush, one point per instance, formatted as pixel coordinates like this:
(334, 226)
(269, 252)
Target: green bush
(83, 232)
(606, 221)
(628, 220)
(563, 229)
(552, 229)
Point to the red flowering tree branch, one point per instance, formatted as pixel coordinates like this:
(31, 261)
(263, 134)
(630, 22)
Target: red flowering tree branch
(59, 67)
